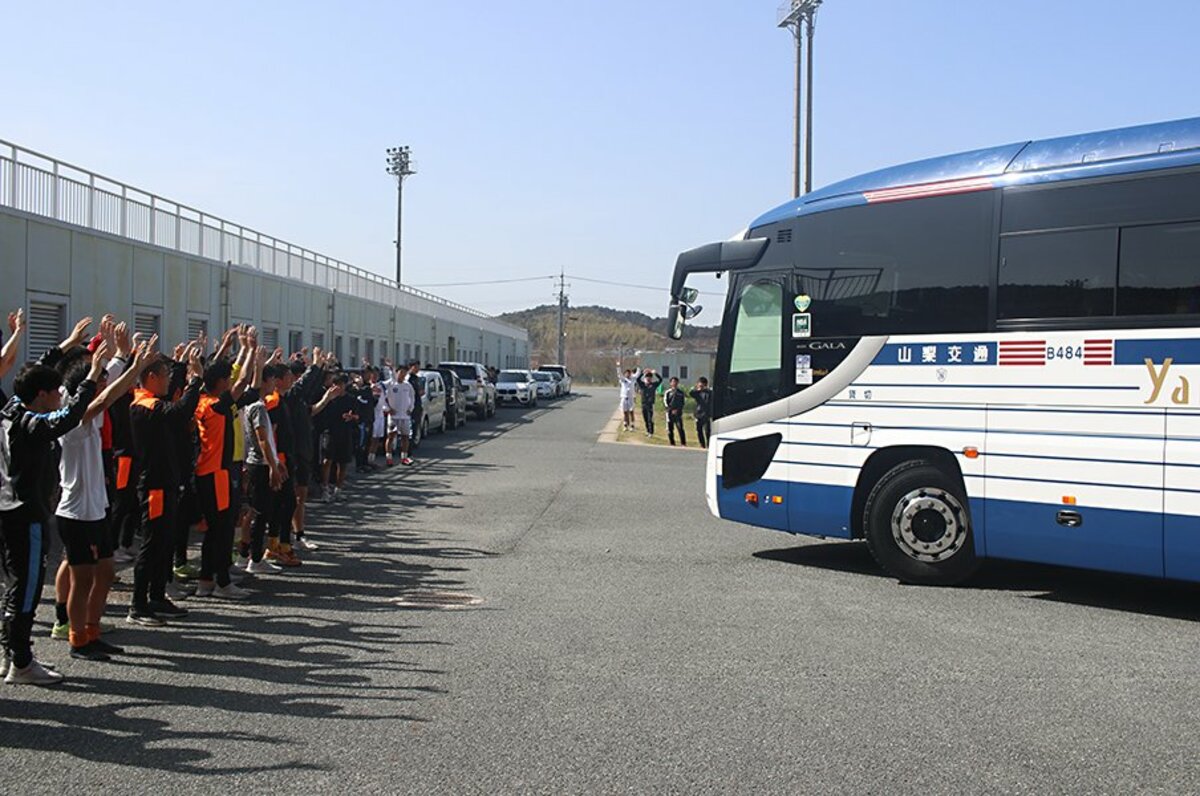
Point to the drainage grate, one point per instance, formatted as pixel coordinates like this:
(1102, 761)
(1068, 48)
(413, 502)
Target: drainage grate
(440, 600)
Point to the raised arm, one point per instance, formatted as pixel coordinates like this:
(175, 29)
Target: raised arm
(52, 425)
(124, 383)
(16, 329)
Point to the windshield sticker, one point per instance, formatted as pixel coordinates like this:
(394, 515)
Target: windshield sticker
(804, 373)
(801, 325)
(803, 302)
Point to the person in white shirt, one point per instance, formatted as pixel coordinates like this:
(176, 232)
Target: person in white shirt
(628, 381)
(389, 402)
(82, 513)
(405, 398)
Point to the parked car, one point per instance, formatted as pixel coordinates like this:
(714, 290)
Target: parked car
(433, 405)
(481, 392)
(456, 399)
(517, 386)
(564, 376)
(559, 390)
(546, 386)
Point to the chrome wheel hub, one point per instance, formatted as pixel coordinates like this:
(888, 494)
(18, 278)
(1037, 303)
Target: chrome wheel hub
(929, 524)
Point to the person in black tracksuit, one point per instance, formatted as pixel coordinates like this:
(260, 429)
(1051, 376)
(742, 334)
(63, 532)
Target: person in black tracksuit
(300, 398)
(29, 424)
(155, 425)
(648, 388)
(418, 411)
(188, 512)
(702, 395)
(125, 513)
(673, 400)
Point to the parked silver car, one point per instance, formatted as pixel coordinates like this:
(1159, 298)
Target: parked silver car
(481, 393)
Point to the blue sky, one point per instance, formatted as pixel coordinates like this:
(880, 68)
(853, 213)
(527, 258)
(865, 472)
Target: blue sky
(601, 138)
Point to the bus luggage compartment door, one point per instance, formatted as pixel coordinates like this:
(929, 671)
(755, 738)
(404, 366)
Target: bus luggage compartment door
(1079, 488)
(1181, 520)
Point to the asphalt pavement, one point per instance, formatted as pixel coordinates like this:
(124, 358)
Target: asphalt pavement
(530, 610)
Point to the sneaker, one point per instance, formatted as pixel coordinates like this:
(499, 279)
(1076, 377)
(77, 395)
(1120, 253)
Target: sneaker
(390, 462)
(230, 592)
(107, 627)
(167, 609)
(60, 631)
(177, 592)
(337, 494)
(187, 572)
(104, 646)
(144, 617)
(306, 545)
(242, 562)
(89, 652)
(406, 461)
(328, 496)
(33, 674)
(124, 555)
(5, 663)
(236, 574)
(205, 589)
(288, 559)
(262, 567)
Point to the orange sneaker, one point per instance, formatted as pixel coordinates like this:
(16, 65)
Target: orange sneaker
(287, 559)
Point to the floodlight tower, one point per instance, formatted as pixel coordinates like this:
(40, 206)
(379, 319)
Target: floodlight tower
(798, 16)
(400, 165)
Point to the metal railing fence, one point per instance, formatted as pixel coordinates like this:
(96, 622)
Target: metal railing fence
(41, 185)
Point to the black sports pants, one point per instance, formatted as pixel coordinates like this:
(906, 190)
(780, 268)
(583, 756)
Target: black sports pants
(24, 557)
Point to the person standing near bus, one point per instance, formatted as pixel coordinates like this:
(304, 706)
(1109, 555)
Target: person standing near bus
(648, 387)
(673, 400)
(628, 384)
(702, 395)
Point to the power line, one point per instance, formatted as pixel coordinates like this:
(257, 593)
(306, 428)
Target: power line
(488, 282)
(639, 287)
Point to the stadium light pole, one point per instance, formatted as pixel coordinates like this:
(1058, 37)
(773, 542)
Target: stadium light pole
(400, 165)
(798, 17)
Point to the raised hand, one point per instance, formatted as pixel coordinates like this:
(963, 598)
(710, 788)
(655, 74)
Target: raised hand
(145, 353)
(195, 366)
(121, 336)
(78, 334)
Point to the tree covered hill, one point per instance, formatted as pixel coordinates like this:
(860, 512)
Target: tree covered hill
(595, 336)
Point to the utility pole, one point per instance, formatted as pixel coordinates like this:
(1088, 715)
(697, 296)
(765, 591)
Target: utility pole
(798, 17)
(400, 165)
(808, 109)
(562, 318)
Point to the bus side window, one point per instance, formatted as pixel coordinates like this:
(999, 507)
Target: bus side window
(1057, 274)
(1159, 270)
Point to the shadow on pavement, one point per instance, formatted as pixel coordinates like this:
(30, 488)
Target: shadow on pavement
(1150, 596)
(326, 641)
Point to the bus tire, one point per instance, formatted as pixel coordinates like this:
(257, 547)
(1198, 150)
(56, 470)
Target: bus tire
(918, 527)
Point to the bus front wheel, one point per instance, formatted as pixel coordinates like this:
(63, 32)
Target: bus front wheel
(917, 525)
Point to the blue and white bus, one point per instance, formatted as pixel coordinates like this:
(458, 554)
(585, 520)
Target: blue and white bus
(994, 354)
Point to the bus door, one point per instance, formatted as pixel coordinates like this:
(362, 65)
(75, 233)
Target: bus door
(754, 480)
(1080, 488)
(1181, 521)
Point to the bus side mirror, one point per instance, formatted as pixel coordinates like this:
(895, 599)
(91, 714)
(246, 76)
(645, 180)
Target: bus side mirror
(690, 312)
(675, 321)
(689, 295)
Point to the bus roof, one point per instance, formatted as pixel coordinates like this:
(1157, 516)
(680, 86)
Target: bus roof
(1128, 149)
